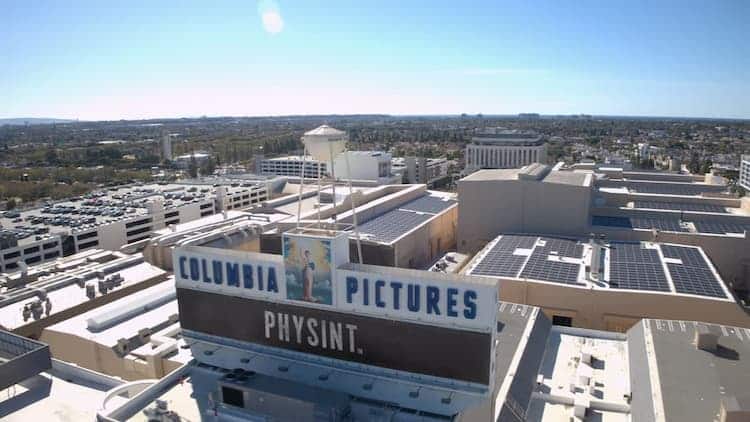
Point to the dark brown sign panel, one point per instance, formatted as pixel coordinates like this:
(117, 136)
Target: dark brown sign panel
(436, 351)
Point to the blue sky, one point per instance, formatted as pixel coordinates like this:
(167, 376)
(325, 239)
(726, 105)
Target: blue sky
(97, 60)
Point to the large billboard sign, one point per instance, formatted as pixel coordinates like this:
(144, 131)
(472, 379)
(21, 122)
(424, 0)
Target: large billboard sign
(230, 272)
(422, 296)
(313, 300)
(391, 344)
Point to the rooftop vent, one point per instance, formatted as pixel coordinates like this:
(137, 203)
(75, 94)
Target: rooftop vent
(705, 339)
(533, 171)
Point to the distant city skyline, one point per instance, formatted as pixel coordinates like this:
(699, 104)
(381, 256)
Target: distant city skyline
(92, 61)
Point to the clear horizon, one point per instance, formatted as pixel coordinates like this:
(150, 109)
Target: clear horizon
(90, 61)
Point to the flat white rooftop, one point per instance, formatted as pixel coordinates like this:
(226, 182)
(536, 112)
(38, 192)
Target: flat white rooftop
(65, 393)
(582, 366)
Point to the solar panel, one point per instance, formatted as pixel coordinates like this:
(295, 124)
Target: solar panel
(500, 260)
(657, 205)
(540, 268)
(695, 280)
(693, 276)
(673, 189)
(635, 267)
(513, 242)
(638, 276)
(661, 224)
(606, 221)
(563, 247)
(720, 227)
(430, 204)
(632, 252)
(688, 256)
(391, 225)
(500, 264)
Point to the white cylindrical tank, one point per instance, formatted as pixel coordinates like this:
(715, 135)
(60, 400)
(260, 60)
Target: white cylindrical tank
(325, 143)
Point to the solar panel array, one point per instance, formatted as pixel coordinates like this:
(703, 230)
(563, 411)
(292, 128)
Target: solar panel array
(391, 225)
(500, 260)
(540, 267)
(688, 256)
(430, 204)
(661, 224)
(693, 276)
(606, 221)
(636, 268)
(657, 205)
(562, 247)
(673, 189)
(716, 227)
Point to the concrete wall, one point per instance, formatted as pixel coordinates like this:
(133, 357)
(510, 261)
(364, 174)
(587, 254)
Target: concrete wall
(99, 358)
(111, 236)
(421, 247)
(621, 200)
(488, 208)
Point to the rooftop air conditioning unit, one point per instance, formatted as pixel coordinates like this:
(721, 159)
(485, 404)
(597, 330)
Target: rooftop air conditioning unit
(705, 339)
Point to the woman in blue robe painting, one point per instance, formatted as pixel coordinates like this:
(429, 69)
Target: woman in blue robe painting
(307, 277)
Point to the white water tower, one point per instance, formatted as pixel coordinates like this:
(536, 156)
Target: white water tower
(324, 143)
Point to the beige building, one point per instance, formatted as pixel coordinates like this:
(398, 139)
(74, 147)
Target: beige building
(533, 199)
(608, 286)
(498, 148)
(135, 337)
(56, 291)
(610, 202)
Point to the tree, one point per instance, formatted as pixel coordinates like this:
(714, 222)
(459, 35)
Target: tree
(208, 167)
(10, 204)
(193, 167)
(694, 165)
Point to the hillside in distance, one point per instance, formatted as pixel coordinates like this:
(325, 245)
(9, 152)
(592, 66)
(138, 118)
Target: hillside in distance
(21, 121)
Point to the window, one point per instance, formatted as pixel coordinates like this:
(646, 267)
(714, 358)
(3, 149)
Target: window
(51, 255)
(208, 205)
(11, 266)
(34, 259)
(88, 245)
(170, 222)
(205, 213)
(232, 396)
(139, 231)
(562, 320)
(49, 245)
(86, 236)
(31, 250)
(12, 255)
(171, 214)
(137, 223)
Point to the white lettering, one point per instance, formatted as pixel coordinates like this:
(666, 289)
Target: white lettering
(351, 328)
(336, 336)
(270, 321)
(283, 327)
(298, 324)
